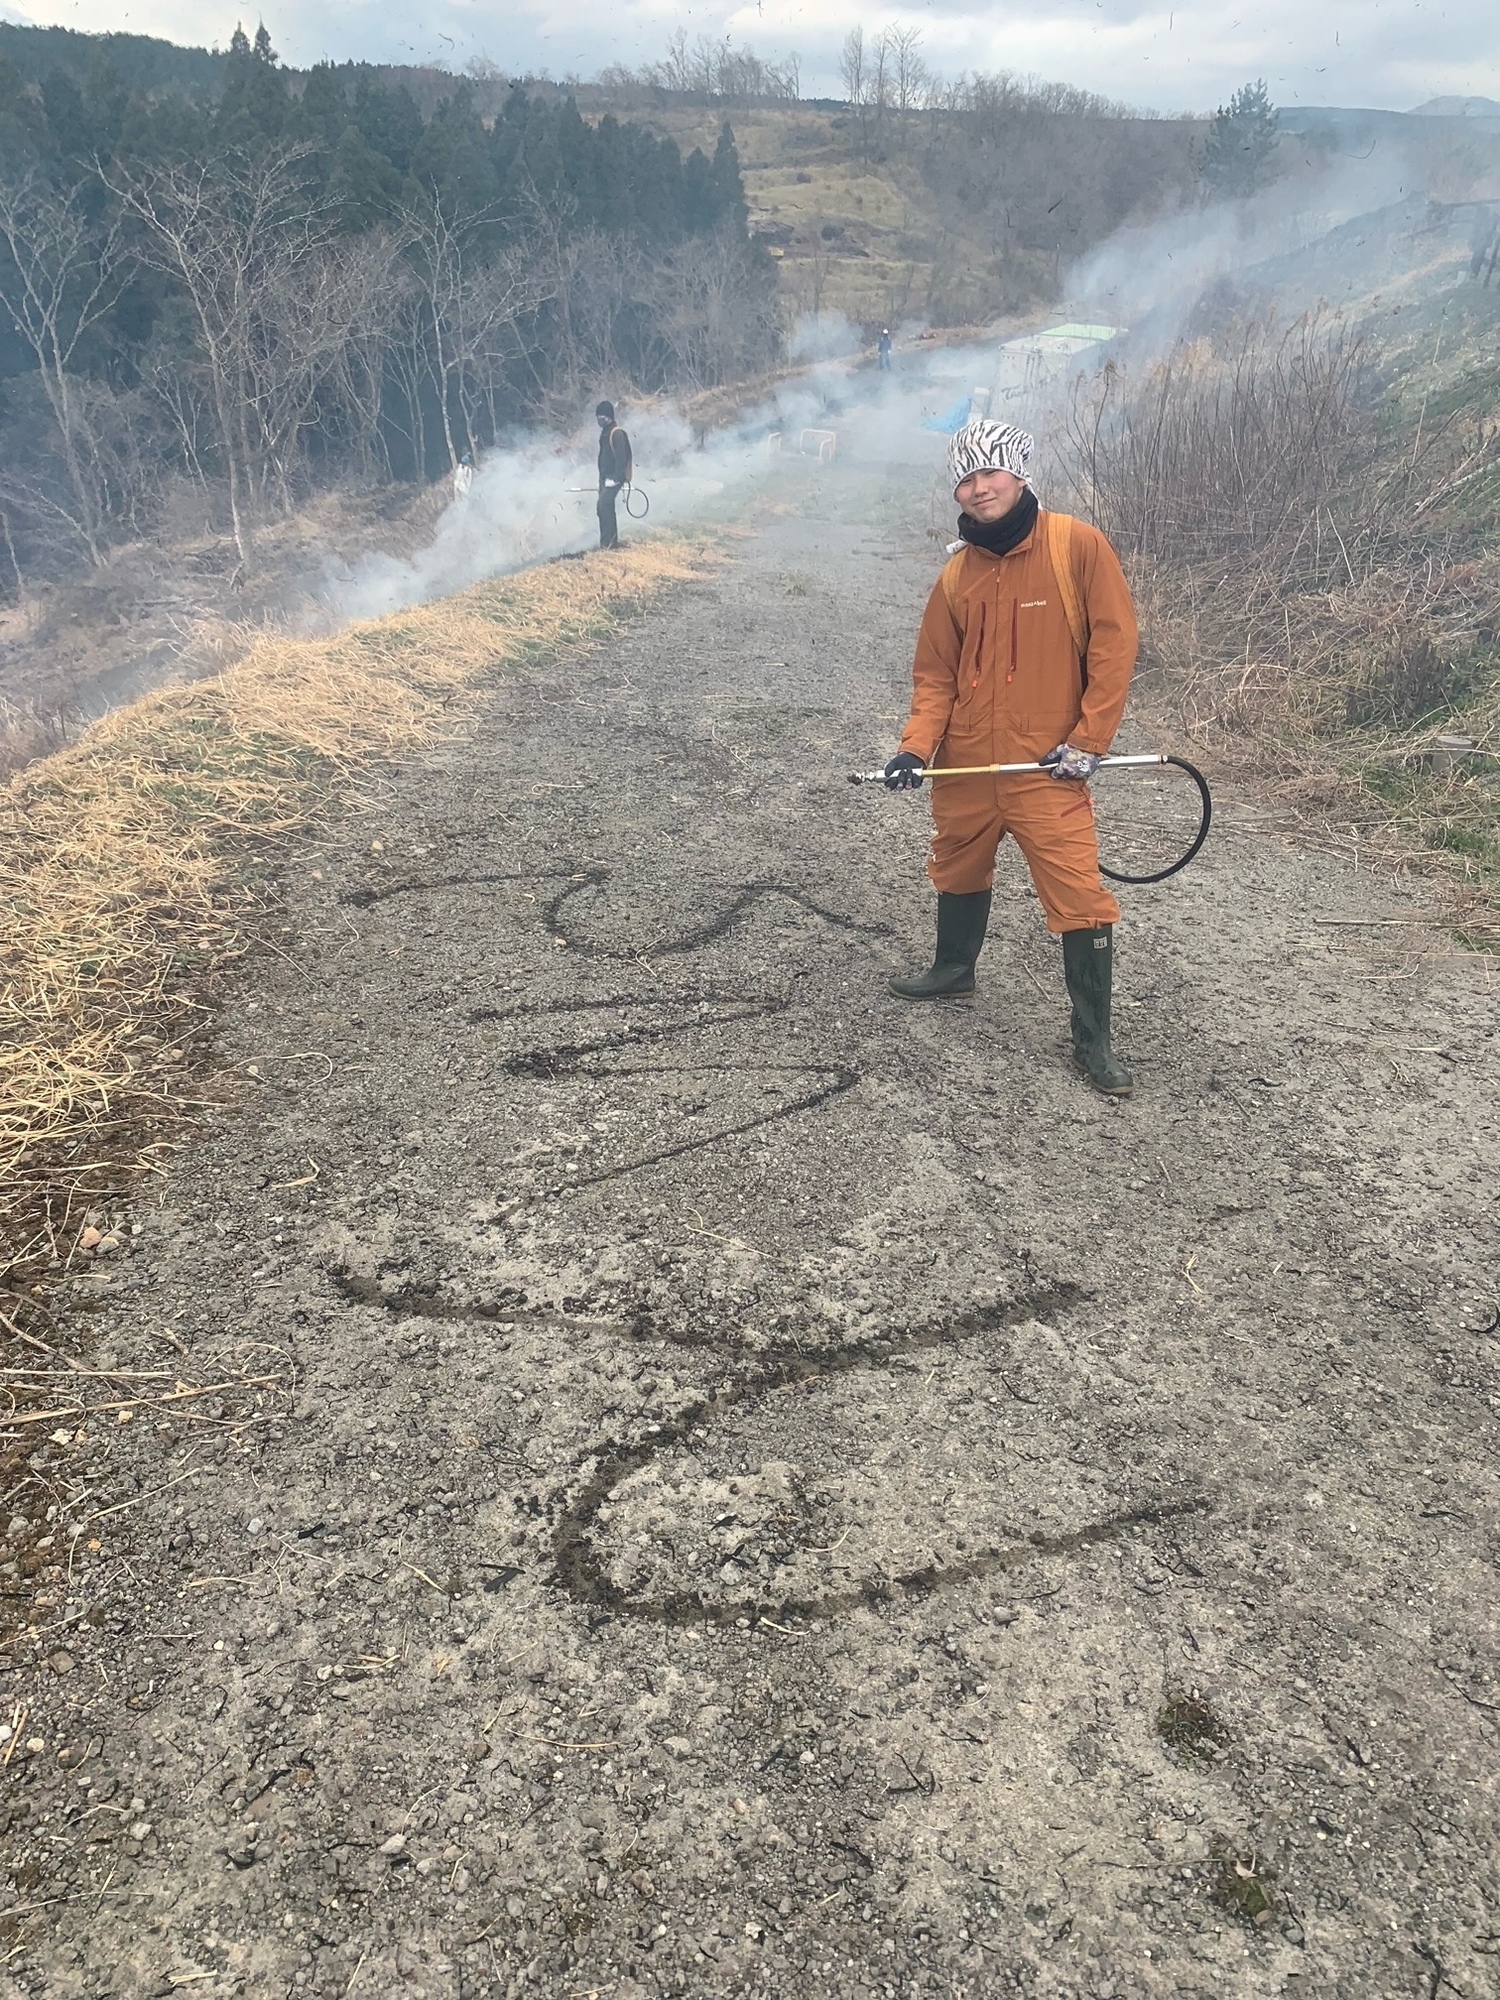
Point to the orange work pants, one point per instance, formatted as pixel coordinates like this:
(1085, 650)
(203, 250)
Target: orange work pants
(1052, 822)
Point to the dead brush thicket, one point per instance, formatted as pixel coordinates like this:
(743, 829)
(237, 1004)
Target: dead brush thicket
(1313, 605)
(138, 865)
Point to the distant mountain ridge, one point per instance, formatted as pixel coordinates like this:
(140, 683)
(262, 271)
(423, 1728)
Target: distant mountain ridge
(1353, 124)
(142, 62)
(1458, 107)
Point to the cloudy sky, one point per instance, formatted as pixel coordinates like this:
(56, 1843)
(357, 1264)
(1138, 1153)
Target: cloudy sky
(1182, 57)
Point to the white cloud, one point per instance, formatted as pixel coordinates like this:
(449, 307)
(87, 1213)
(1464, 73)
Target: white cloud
(1392, 53)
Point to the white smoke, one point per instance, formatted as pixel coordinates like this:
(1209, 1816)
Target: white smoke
(823, 336)
(534, 498)
(1157, 271)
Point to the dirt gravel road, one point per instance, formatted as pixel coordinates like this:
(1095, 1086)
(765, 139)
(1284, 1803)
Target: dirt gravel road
(782, 1492)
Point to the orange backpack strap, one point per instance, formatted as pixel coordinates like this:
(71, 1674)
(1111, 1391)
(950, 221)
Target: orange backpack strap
(949, 580)
(1060, 551)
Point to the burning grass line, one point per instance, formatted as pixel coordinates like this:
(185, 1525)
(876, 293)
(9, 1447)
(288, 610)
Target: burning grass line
(136, 862)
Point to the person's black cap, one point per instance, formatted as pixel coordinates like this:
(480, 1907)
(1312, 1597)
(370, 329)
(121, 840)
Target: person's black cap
(605, 410)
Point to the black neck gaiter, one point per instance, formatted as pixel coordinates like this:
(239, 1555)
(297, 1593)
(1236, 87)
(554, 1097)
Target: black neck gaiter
(998, 538)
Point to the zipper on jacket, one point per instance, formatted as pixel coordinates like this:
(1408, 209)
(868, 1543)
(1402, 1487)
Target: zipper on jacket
(1015, 619)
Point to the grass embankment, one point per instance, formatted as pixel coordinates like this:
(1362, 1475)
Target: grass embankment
(1354, 726)
(140, 865)
(1313, 525)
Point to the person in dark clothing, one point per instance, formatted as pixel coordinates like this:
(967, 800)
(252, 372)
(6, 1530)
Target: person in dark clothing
(615, 468)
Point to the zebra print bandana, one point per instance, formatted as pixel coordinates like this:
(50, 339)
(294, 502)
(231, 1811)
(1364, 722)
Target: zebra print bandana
(987, 446)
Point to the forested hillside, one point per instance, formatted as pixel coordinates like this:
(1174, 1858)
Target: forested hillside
(139, 62)
(951, 213)
(267, 287)
(226, 286)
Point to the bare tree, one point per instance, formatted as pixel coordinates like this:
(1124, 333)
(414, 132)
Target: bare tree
(712, 316)
(492, 302)
(878, 86)
(786, 79)
(704, 70)
(357, 375)
(182, 396)
(441, 249)
(235, 233)
(910, 74)
(852, 65)
(63, 274)
(312, 313)
(676, 67)
(590, 278)
(854, 70)
(471, 302)
(715, 70)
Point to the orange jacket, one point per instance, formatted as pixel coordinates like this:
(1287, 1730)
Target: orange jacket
(998, 677)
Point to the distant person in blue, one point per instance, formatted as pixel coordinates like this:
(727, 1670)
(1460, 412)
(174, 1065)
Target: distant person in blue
(883, 351)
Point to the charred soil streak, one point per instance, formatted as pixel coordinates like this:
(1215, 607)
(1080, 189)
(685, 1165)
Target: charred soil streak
(553, 1062)
(581, 1570)
(737, 909)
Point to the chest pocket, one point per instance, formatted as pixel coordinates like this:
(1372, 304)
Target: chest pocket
(1059, 532)
(971, 659)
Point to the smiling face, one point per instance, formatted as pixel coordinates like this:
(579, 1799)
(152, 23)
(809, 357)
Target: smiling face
(989, 496)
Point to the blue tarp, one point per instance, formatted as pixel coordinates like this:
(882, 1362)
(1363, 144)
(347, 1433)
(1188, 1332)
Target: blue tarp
(951, 420)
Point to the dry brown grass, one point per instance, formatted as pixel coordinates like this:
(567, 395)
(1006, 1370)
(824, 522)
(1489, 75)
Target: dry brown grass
(1334, 701)
(138, 865)
(1313, 605)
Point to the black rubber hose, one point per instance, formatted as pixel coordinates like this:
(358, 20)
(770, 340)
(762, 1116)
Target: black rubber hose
(1165, 874)
(634, 493)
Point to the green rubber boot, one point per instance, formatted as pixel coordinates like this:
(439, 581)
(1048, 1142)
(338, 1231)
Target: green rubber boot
(1088, 962)
(961, 925)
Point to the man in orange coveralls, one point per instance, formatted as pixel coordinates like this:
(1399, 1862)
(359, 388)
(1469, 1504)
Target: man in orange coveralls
(1025, 654)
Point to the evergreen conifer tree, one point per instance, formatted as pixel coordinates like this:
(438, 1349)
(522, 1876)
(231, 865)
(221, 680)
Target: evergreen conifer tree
(253, 106)
(67, 116)
(322, 112)
(363, 183)
(388, 121)
(541, 164)
(452, 158)
(507, 137)
(577, 155)
(24, 133)
(104, 103)
(174, 129)
(613, 207)
(699, 211)
(656, 182)
(730, 206)
(1241, 140)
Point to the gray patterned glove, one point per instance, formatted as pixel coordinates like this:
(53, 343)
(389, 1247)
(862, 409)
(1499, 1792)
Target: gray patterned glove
(904, 772)
(1066, 762)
